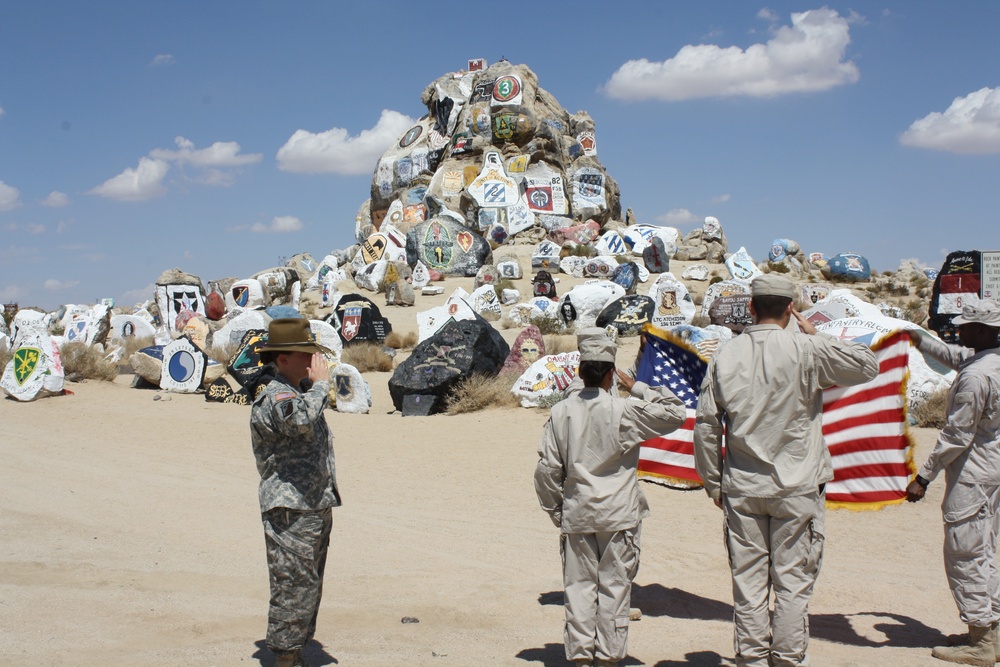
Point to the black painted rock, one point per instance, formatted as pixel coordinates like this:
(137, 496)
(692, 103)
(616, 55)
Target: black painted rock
(628, 314)
(359, 319)
(460, 349)
(732, 311)
(655, 256)
(627, 276)
(543, 285)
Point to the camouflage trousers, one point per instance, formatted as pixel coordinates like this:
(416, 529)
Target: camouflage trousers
(296, 543)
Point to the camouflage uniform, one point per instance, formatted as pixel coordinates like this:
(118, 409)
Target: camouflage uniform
(298, 487)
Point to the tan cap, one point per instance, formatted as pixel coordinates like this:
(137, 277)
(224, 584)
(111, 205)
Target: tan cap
(772, 284)
(985, 312)
(596, 345)
(291, 334)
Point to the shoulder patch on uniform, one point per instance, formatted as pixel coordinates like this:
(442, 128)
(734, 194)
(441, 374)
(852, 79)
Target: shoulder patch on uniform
(284, 396)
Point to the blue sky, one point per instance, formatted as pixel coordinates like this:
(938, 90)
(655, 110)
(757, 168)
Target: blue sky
(219, 136)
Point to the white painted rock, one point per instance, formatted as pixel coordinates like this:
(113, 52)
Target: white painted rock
(720, 289)
(600, 267)
(327, 336)
(230, 335)
(510, 296)
(352, 393)
(173, 298)
(421, 275)
(28, 322)
(611, 243)
(485, 302)
(371, 276)
(183, 367)
(549, 375)
(35, 370)
(429, 322)
(698, 272)
(510, 269)
(247, 294)
(328, 264)
(574, 265)
(545, 255)
(431, 290)
(673, 303)
(742, 267)
(590, 298)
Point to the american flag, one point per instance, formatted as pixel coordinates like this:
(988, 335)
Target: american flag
(864, 426)
(669, 361)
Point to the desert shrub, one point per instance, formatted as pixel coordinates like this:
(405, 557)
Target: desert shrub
(367, 357)
(87, 361)
(547, 402)
(502, 284)
(479, 392)
(5, 356)
(778, 267)
(559, 343)
(547, 325)
(932, 411)
(715, 279)
(700, 320)
(915, 311)
(133, 345)
(579, 250)
(398, 341)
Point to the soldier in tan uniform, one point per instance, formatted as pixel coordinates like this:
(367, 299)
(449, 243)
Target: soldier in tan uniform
(586, 481)
(968, 450)
(763, 389)
(298, 484)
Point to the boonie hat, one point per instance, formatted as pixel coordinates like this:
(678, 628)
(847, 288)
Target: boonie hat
(985, 312)
(596, 345)
(772, 284)
(291, 334)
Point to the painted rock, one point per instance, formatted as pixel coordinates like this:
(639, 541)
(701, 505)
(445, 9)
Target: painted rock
(742, 267)
(600, 267)
(732, 312)
(351, 393)
(545, 255)
(628, 314)
(611, 243)
(720, 289)
(528, 347)
(35, 368)
(360, 320)
(487, 275)
(655, 256)
(183, 367)
(124, 327)
(848, 266)
(484, 301)
(543, 285)
(509, 296)
(176, 291)
(510, 269)
(699, 272)
(246, 294)
(627, 276)
(672, 302)
(549, 375)
(460, 349)
(421, 276)
(430, 321)
(574, 265)
(446, 246)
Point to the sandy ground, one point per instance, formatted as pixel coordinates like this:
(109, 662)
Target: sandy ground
(130, 535)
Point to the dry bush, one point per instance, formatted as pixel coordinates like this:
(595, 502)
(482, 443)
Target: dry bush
(398, 341)
(559, 343)
(479, 392)
(5, 356)
(367, 357)
(579, 250)
(89, 361)
(502, 284)
(932, 411)
(715, 279)
(547, 325)
(778, 267)
(133, 345)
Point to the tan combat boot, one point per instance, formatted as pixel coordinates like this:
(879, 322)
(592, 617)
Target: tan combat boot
(980, 650)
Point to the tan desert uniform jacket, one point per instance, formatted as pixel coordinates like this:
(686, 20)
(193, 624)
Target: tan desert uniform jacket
(767, 384)
(968, 447)
(586, 474)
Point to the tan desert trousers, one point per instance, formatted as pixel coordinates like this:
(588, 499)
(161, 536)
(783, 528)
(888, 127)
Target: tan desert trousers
(598, 569)
(774, 544)
(970, 561)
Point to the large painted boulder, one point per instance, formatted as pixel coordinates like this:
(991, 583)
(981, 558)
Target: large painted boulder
(848, 266)
(436, 365)
(965, 277)
(446, 246)
(548, 376)
(628, 315)
(177, 291)
(357, 319)
(35, 368)
(673, 304)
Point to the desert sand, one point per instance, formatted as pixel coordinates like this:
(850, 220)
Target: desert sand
(131, 536)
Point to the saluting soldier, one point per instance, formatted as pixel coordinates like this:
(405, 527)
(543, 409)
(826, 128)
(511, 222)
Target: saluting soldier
(298, 485)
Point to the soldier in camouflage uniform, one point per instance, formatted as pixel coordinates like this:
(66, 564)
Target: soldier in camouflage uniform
(298, 487)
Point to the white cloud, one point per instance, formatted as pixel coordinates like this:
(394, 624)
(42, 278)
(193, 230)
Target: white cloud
(970, 125)
(10, 197)
(164, 59)
(335, 151)
(678, 216)
(139, 184)
(806, 56)
(721, 199)
(11, 293)
(280, 224)
(2, 112)
(64, 226)
(767, 14)
(54, 285)
(217, 177)
(219, 154)
(56, 199)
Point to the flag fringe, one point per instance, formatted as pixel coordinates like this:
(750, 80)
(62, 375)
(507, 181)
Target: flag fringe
(663, 334)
